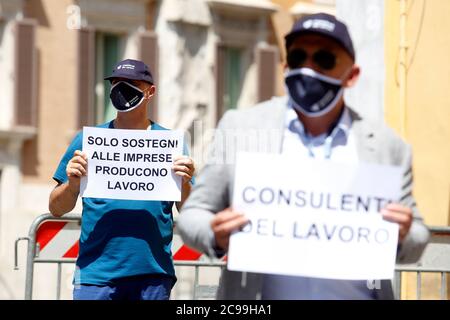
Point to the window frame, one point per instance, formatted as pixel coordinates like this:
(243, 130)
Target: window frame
(100, 94)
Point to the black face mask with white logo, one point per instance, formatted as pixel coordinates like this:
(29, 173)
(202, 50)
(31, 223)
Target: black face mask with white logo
(125, 97)
(312, 93)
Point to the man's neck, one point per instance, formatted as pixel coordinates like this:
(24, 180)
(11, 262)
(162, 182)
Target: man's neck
(135, 119)
(322, 124)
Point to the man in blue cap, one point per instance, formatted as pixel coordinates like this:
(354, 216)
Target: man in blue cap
(312, 121)
(125, 246)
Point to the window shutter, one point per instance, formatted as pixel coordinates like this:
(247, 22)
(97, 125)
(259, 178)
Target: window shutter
(25, 73)
(267, 59)
(86, 77)
(220, 77)
(149, 54)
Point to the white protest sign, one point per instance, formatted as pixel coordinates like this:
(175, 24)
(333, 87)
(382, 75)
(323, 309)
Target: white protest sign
(131, 164)
(314, 218)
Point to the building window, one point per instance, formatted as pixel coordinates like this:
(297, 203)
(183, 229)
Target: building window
(233, 77)
(230, 77)
(109, 51)
(2, 28)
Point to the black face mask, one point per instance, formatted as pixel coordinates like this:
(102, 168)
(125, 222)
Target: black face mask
(312, 93)
(125, 97)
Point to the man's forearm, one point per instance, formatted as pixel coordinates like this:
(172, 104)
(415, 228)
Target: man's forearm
(185, 191)
(62, 200)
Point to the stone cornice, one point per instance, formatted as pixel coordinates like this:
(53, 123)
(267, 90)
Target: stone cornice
(303, 8)
(113, 15)
(10, 9)
(243, 7)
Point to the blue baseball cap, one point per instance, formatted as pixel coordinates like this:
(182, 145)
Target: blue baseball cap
(323, 24)
(131, 69)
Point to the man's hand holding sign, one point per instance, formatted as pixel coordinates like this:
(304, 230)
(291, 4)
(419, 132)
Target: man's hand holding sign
(402, 215)
(76, 168)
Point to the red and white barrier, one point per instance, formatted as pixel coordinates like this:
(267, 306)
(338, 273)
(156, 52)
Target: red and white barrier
(58, 239)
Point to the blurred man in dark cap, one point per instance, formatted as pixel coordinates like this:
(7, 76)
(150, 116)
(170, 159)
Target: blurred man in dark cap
(312, 121)
(125, 245)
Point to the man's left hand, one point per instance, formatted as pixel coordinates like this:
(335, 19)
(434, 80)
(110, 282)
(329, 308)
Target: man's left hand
(183, 166)
(400, 214)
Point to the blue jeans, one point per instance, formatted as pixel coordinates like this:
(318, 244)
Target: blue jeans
(145, 287)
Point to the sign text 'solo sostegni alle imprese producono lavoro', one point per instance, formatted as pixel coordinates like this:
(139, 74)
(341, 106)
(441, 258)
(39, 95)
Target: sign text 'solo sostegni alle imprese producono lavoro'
(131, 164)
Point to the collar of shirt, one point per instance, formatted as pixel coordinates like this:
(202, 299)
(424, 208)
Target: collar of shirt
(294, 125)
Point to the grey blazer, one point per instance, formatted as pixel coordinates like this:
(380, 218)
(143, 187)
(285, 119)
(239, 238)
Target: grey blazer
(214, 186)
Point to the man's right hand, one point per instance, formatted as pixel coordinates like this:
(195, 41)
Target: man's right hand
(76, 168)
(224, 223)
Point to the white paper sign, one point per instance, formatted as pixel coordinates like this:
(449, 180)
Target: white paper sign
(131, 164)
(314, 218)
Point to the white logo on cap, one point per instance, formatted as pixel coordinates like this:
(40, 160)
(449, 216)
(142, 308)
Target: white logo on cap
(119, 67)
(319, 24)
(126, 66)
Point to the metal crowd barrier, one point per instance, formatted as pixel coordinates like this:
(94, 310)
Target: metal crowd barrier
(202, 291)
(33, 252)
(65, 231)
(435, 259)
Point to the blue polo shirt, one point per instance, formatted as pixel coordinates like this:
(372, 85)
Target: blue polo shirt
(121, 238)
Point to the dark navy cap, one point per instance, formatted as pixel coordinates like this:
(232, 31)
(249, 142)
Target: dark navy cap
(324, 24)
(131, 69)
